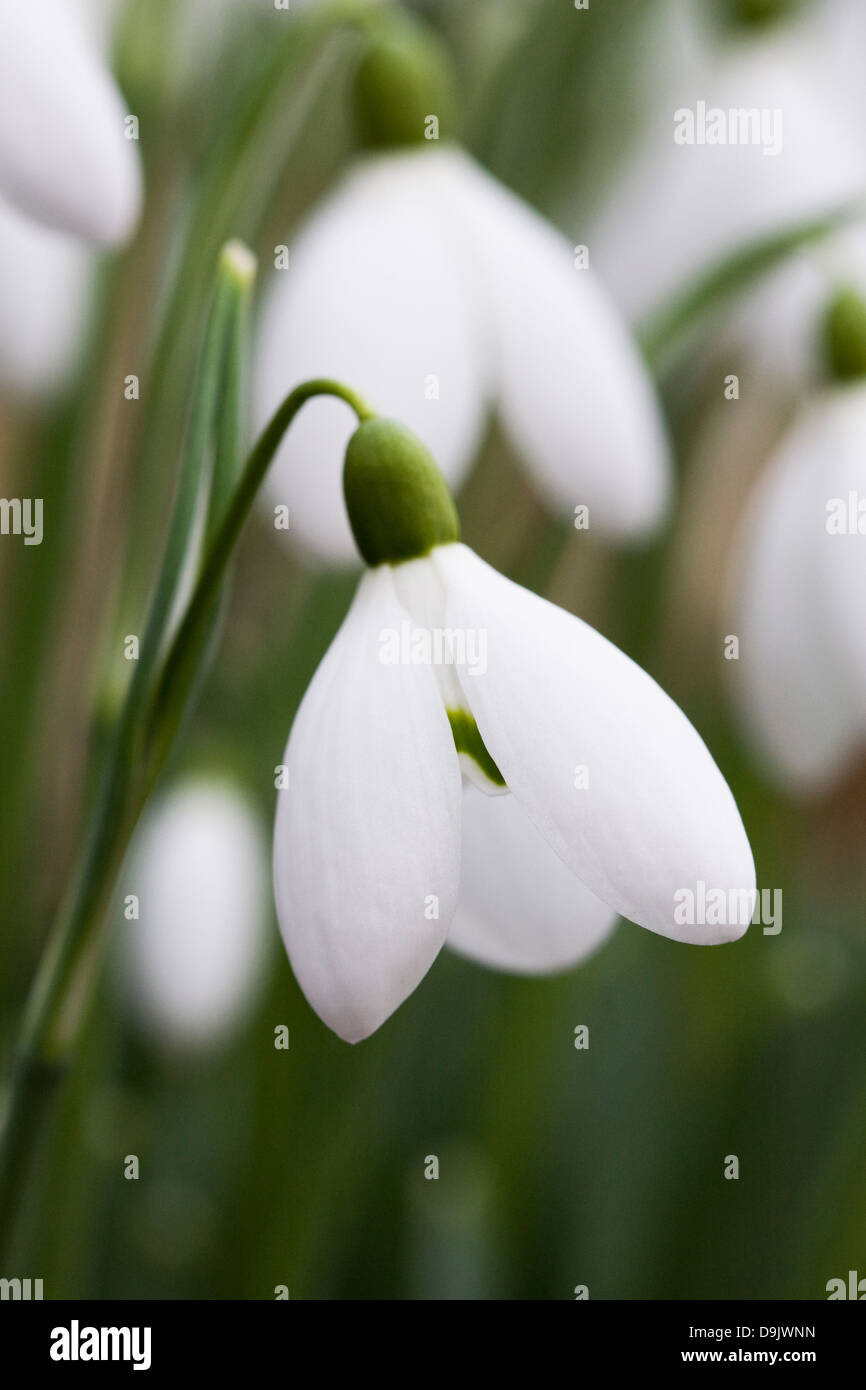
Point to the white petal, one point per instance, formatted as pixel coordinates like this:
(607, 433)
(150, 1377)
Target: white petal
(193, 960)
(44, 281)
(64, 158)
(843, 556)
(657, 818)
(572, 390)
(520, 907)
(367, 836)
(835, 32)
(375, 297)
(799, 703)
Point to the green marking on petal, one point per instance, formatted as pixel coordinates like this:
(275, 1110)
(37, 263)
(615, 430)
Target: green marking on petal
(468, 740)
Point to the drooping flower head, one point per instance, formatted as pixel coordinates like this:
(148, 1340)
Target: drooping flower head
(799, 576)
(751, 133)
(444, 296)
(65, 160)
(69, 180)
(592, 795)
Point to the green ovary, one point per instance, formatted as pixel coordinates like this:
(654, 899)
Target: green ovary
(468, 741)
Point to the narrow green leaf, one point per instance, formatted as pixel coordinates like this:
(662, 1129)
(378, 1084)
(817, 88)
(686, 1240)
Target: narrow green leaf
(238, 267)
(728, 278)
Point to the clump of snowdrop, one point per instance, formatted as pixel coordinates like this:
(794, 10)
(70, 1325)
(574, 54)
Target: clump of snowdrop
(591, 794)
(444, 295)
(799, 576)
(193, 957)
(69, 179)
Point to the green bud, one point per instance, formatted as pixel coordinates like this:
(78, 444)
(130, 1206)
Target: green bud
(760, 13)
(399, 504)
(405, 87)
(845, 336)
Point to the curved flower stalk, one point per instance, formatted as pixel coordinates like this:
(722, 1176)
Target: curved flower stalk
(64, 158)
(611, 796)
(679, 207)
(192, 961)
(443, 295)
(799, 578)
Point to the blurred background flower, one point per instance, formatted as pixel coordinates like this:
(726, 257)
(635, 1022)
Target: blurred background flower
(306, 1164)
(65, 158)
(799, 568)
(694, 202)
(193, 953)
(441, 294)
(69, 177)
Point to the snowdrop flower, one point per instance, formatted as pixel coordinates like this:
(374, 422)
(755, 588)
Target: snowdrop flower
(64, 158)
(679, 207)
(799, 579)
(602, 798)
(443, 295)
(193, 959)
(778, 324)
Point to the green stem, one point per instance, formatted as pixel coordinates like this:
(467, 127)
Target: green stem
(61, 990)
(178, 672)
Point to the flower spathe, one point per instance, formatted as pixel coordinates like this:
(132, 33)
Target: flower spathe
(64, 157)
(612, 803)
(442, 295)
